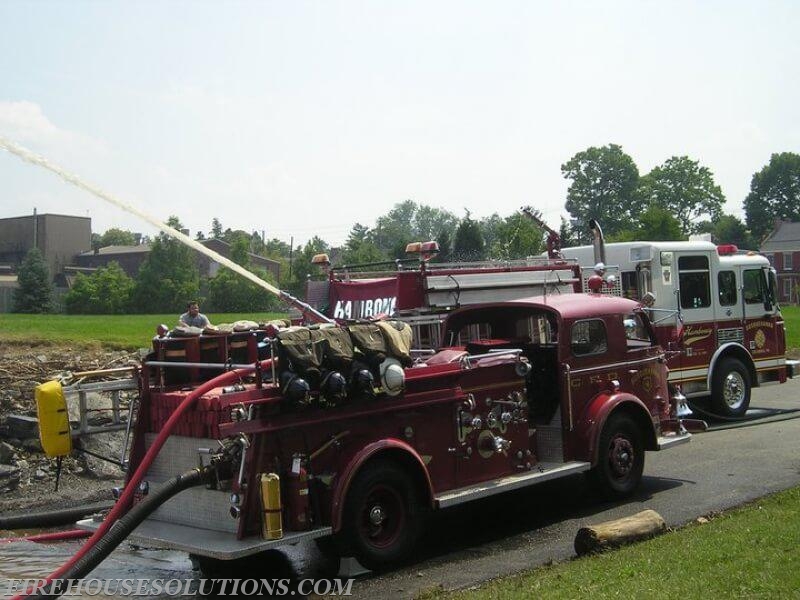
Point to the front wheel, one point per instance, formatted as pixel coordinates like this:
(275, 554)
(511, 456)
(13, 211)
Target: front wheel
(620, 460)
(730, 388)
(383, 515)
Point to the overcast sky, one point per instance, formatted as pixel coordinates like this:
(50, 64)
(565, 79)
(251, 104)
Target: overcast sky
(302, 118)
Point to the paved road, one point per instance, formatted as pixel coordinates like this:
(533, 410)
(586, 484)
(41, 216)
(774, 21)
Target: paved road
(505, 534)
(499, 536)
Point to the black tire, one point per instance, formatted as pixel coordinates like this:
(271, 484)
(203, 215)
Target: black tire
(730, 388)
(383, 516)
(620, 460)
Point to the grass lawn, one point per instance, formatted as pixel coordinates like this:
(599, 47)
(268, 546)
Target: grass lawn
(114, 331)
(750, 552)
(791, 315)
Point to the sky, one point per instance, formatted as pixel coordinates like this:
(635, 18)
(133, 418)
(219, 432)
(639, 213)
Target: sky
(302, 118)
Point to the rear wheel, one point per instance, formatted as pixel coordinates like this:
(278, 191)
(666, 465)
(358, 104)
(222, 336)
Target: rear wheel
(730, 388)
(620, 457)
(383, 515)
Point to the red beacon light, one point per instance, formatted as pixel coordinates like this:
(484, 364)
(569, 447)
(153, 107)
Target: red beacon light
(727, 249)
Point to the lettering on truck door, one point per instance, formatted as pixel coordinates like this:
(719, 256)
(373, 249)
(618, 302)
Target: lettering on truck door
(698, 310)
(759, 311)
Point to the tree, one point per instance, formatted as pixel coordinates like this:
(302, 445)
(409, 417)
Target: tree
(468, 244)
(685, 189)
(445, 246)
(230, 292)
(117, 237)
(517, 236)
(168, 277)
(359, 247)
(603, 187)
(774, 194)
(301, 264)
(216, 229)
(35, 291)
(107, 291)
(657, 223)
(729, 229)
(409, 222)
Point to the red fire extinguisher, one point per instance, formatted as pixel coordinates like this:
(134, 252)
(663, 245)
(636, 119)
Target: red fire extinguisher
(297, 495)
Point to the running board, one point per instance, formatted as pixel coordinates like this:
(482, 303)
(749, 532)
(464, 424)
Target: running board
(205, 542)
(544, 471)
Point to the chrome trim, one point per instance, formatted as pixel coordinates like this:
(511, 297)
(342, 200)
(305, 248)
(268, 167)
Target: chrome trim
(539, 474)
(628, 363)
(568, 373)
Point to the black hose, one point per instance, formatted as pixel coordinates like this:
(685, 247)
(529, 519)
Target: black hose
(52, 518)
(122, 528)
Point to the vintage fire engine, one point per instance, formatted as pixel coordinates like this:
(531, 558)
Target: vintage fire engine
(724, 301)
(346, 433)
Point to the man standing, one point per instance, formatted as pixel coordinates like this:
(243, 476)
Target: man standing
(193, 317)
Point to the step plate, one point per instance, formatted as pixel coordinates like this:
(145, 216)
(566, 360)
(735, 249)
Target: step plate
(542, 472)
(665, 442)
(214, 544)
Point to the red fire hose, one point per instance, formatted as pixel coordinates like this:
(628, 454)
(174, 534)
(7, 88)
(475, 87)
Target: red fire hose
(56, 536)
(126, 498)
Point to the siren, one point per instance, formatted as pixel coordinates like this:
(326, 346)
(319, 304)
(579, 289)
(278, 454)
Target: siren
(727, 249)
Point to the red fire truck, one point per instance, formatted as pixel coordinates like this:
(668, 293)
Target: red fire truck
(345, 433)
(724, 300)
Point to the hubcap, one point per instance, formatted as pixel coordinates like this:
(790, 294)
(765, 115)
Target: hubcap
(383, 516)
(621, 456)
(733, 390)
(376, 515)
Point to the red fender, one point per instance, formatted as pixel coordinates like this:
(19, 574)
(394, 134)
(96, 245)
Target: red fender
(589, 428)
(355, 463)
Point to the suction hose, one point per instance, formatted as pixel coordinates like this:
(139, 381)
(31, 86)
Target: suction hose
(122, 528)
(127, 495)
(51, 518)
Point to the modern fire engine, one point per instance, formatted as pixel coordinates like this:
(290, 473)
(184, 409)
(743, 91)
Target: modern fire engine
(723, 302)
(346, 433)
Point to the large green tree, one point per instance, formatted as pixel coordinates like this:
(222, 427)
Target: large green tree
(468, 244)
(409, 222)
(35, 291)
(774, 194)
(230, 292)
(360, 248)
(107, 291)
(516, 236)
(168, 277)
(686, 189)
(603, 186)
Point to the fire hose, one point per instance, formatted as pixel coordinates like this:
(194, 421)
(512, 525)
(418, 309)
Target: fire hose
(126, 498)
(51, 518)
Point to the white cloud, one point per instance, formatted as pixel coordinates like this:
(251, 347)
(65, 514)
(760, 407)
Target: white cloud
(24, 121)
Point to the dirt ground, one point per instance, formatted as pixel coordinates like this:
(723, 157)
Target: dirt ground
(27, 475)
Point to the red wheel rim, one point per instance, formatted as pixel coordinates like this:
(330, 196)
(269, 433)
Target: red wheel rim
(382, 516)
(621, 456)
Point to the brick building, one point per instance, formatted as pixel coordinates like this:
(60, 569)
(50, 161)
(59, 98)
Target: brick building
(59, 238)
(782, 248)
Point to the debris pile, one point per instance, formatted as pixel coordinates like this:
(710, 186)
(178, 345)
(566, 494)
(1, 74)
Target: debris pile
(25, 472)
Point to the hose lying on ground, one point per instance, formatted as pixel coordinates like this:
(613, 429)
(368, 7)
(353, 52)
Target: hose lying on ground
(122, 528)
(126, 499)
(52, 518)
(55, 536)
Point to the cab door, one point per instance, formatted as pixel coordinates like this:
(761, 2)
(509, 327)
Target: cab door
(759, 313)
(694, 296)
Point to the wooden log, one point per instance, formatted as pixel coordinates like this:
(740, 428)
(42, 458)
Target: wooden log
(613, 534)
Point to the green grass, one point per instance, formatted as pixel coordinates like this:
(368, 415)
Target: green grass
(751, 552)
(791, 315)
(114, 331)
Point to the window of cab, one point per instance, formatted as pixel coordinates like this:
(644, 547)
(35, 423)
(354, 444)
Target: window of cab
(588, 337)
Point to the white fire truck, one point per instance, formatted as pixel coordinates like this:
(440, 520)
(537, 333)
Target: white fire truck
(724, 301)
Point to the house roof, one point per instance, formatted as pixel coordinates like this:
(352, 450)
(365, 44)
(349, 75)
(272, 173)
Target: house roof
(114, 250)
(785, 237)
